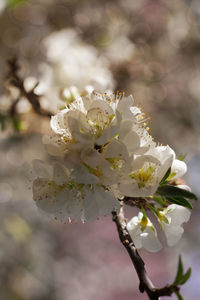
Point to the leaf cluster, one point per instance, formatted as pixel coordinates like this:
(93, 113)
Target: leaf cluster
(180, 278)
(171, 193)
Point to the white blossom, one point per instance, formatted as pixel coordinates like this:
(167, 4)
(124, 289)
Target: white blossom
(179, 168)
(97, 119)
(75, 62)
(72, 195)
(146, 172)
(171, 220)
(143, 233)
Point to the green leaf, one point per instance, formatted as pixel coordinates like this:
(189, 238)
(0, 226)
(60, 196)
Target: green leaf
(180, 277)
(185, 277)
(171, 176)
(179, 273)
(143, 211)
(181, 157)
(12, 3)
(173, 191)
(17, 124)
(166, 176)
(160, 200)
(180, 201)
(178, 295)
(152, 209)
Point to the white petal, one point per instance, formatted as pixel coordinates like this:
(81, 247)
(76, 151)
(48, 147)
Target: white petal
(178, 214)
(99, 112)
(106, 201)
(52, 145)
(116, 149)
(147, 239)
(150, 240)
(132, 190)
(75, 207)
(71, 159)
(132, 141)
(91, 209)
(82, 175)
(184, 187)
(109, 132)
(162, 153)
(179, 167)
(164, 168)
(91, 157)
(48, 197)
(124, 107)
(125, 128)
(60, 174)
(133, 223)
(141, 160)
(76, 130)
(135, 234)
(41, 168)
(57, 123)
(173, 234)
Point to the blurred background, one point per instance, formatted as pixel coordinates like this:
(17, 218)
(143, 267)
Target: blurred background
(148, 48)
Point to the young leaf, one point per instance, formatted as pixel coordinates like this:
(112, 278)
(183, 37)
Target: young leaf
(178, 295)
(166, 176)
(160, 200)
(185, 277)
(180, 277)
(181, 157)
(179, 273)
(173, 191)
(152, 209)
(180, 201)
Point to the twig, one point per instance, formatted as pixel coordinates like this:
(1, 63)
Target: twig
(18, 82)
(145, 284)
(138, 202)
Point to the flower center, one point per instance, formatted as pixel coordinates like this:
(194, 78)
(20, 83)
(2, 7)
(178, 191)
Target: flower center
(116, 162)
(144, 176)
(98, 121)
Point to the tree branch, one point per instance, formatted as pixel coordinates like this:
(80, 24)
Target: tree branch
(145, 284)
(33, 98)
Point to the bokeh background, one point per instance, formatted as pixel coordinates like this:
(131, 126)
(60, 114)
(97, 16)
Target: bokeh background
(149, 48)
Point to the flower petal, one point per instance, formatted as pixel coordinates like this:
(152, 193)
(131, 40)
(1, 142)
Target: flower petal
(173, 234)
(178, 214)
(150, 240)
(179, 167)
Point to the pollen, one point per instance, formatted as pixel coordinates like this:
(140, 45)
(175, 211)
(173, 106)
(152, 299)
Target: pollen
(143, 176)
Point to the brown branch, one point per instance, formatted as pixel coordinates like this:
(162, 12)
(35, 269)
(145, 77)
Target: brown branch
(138, 202)
(145, 284)
(18, 82)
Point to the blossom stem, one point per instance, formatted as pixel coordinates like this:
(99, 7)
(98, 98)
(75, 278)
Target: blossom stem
(145, 283)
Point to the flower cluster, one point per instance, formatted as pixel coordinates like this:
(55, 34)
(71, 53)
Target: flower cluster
(104, 153)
